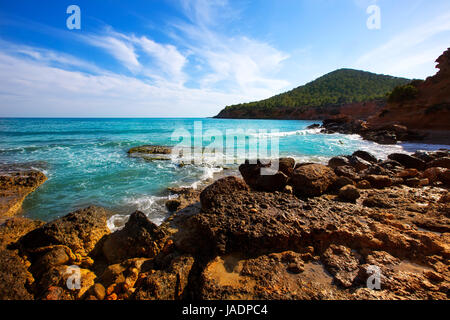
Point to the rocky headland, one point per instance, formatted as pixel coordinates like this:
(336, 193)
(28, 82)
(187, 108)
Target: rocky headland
(310, 231)
(16, 182)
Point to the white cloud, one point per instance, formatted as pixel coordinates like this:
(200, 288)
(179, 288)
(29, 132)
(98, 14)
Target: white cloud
(118, 48)
(169, 60)
(406, 53)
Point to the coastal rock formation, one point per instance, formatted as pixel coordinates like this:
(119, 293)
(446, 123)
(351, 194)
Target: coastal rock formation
(139, 238)
(323, 241)
(312, 179)
(80, 231)
(16, 182)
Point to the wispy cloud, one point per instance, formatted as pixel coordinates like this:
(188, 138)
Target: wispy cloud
(410, 49)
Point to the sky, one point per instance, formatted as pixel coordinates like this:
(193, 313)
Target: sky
(191, 58)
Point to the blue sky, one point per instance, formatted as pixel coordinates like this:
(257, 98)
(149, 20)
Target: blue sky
(190, 58)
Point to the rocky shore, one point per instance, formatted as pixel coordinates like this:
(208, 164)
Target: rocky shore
(16, 182)
(310, 231)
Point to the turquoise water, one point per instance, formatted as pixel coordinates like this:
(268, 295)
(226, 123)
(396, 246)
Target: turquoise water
(86, 160)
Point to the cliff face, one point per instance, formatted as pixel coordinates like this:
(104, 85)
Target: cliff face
(429, 109)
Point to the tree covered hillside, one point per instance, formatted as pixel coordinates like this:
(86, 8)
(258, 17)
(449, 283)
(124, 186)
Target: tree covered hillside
(338, 87)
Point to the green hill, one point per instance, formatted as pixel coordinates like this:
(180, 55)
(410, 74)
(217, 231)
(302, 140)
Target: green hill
(339, 87)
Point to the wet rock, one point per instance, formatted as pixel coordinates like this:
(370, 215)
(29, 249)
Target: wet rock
(367, 156)
(211, 195)
(151, 149)
(80, 231)
(138, 238)
(312, 180)
(336, 162)
(16, 183)
(349, 193)
(408, 161)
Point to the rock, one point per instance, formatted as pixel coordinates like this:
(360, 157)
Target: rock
(432, 174)
(445, 198)
(151, 149)
(443, 162)
(210, 196)
(167, 284)
(408, 161)
(14, 277)
(80, 231)
(343, 181)
(16, 183)
(377, 202)
(138, 238)
(16, 227)
(444, 177)
(342, 263)
(173, 205)
(336, 162)
(349, 193)
(54, 284)
(412, 182)
(286, 165)
(124, 274)
(359, 164)
(391, 165)
(379, 182)
(313, 126)
(99, 291)
(347, 171)
(408, 173)
(312, 180)
(363, 184)
(367, 156)
(253, 176)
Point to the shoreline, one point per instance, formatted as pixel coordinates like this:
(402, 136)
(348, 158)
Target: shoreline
(341, 217)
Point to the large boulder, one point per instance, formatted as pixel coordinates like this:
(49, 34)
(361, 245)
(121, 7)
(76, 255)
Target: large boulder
(210, 197)
(138, 238)
(276, 181)
(312, 180)
(408, 161)
(80, 231)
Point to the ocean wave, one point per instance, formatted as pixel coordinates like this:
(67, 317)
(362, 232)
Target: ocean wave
(302, 132)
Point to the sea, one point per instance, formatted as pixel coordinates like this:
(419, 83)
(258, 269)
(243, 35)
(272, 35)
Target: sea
(87, 163)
